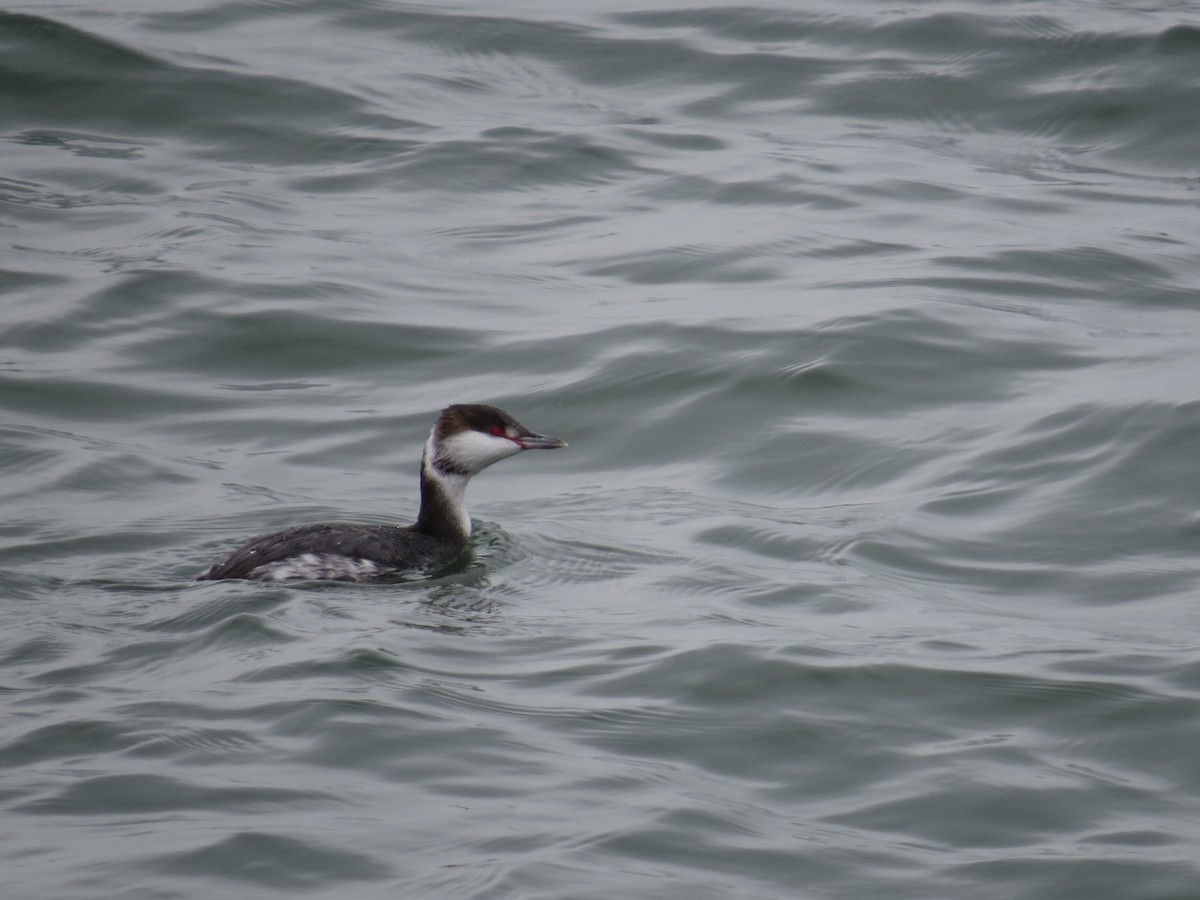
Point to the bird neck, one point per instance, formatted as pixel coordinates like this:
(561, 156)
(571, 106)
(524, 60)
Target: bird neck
(443, 502)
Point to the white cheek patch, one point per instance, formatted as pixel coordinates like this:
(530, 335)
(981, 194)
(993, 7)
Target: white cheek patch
(473, 450)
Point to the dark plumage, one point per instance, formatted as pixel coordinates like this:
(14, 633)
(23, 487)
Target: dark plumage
(466, 439)
(390, 547)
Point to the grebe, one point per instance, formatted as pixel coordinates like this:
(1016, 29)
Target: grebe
(466, 439)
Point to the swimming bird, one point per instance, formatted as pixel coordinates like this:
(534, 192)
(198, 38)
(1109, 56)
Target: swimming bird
(465, 440)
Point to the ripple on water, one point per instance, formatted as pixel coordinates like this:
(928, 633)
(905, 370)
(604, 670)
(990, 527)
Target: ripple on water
(870, 568)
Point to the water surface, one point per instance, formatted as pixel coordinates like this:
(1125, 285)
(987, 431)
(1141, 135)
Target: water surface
(870, 570)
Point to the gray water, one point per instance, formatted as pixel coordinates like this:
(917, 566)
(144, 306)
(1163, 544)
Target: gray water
(871, 569)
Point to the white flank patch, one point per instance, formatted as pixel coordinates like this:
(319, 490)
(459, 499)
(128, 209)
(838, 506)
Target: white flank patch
(316, 567)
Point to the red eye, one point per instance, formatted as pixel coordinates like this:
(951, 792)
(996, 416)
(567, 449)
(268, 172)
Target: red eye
(498, 431)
